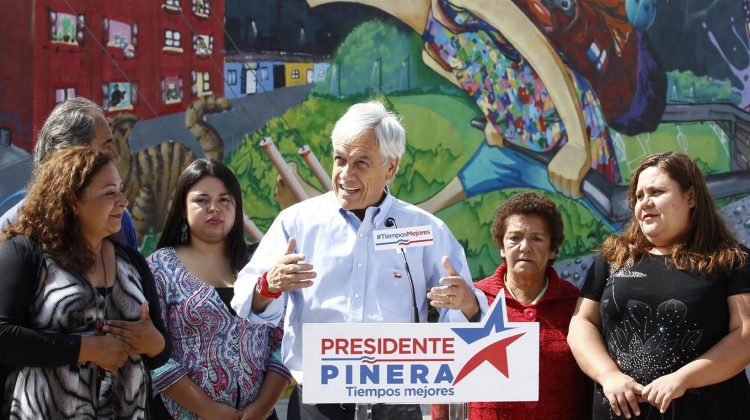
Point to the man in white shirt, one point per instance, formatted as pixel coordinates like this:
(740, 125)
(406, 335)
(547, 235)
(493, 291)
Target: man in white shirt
(327, 268)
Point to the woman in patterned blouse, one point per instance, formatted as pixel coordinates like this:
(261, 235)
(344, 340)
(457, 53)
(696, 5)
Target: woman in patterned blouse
(222, 366)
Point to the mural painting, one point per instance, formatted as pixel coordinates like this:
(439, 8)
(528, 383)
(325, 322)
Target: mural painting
(496, 96)
(486, 117)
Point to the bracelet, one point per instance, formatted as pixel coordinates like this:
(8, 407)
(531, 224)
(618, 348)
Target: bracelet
(262, 287)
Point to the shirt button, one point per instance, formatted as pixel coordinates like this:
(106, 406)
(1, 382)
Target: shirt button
(356, 295)
(529, 314)
(361, 235)
(359, 265)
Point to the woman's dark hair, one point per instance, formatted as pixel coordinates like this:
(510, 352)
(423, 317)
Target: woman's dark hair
(708, 247)
(529, 203)
(171, 235)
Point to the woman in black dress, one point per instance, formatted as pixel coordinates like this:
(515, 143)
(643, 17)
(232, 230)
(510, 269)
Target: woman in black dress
(663, 322)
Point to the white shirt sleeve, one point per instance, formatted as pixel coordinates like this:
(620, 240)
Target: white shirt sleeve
(270, 250)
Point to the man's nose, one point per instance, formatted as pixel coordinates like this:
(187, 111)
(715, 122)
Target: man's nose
(346, 170)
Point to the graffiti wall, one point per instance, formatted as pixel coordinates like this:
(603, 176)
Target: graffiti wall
(501, 96)
(496, 96)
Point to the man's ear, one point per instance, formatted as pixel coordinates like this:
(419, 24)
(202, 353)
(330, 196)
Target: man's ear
(392, 167)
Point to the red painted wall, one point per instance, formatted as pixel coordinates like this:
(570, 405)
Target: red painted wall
(34, 66)
(16, 110)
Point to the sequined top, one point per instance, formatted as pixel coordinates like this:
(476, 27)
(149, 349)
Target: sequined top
(657, 319)
(225, 355)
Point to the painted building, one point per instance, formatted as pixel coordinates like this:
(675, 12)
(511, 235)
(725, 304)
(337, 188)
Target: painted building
(147, 57)
(259, 72)
(243, 76)
(298, 73)
(264, 76)
(233, 86)
(320, 70)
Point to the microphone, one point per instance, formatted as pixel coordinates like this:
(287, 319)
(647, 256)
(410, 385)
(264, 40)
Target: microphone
(389, 223)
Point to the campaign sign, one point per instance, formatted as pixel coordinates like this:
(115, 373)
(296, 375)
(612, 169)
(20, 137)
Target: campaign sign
(490, 360)
(403, 237)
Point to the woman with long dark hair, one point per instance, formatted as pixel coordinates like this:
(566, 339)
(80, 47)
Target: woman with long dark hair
(222, 366)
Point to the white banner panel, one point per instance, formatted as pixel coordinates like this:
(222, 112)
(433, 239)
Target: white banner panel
(490, 360)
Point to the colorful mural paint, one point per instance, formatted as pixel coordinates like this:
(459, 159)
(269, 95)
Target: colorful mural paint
(496, 96)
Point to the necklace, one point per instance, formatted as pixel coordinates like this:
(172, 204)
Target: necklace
(537, 298)
(101, 312)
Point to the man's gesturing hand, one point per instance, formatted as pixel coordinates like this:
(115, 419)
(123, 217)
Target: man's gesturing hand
(290, 273)
(454, 292)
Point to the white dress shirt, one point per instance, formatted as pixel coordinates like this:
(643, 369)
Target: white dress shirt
(354, 283)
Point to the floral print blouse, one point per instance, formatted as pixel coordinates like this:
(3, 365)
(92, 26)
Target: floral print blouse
(225, 355)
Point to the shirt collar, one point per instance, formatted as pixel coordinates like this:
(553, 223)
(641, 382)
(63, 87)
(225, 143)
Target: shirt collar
(376, 214)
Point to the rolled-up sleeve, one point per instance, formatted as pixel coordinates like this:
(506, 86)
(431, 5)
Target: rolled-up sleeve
(270, 249)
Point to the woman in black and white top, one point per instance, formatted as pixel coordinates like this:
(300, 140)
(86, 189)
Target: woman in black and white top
(80, 324)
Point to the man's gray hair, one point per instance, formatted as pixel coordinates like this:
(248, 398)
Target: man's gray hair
(362, 117)
(71, 123)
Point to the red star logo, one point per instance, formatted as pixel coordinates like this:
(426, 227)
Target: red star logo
(496, 354)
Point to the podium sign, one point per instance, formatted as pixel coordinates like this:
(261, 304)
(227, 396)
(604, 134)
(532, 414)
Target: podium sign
(490, 360)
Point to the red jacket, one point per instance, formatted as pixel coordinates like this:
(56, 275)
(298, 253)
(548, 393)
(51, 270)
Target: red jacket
(563, 388)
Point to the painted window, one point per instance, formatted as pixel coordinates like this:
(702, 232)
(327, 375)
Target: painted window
(172, 40)
(206, 82)
(119, 96)
(201, 8)
(321, 74)
(295, 74)
(263, 73)
(172, 3)
(121, 35)
(201, 83)
(65, 28)
(203, 45)
(171, 89)
(231, 77)
(64, 94)
(4, 137)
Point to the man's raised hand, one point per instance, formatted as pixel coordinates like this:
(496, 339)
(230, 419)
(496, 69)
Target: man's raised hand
(290, 273)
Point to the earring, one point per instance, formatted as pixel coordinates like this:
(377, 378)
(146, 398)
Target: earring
(185, 232)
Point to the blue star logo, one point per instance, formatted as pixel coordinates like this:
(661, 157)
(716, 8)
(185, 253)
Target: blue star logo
(493, 322)
(496, 354)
